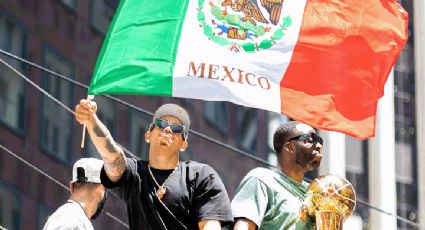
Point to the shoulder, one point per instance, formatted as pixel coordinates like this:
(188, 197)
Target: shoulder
(65, 210)
(202, 174)
(67, 216)
(260, 173)
(134, 165)
(262, 176)
(200, 168)
(194, 165)
(133, 162)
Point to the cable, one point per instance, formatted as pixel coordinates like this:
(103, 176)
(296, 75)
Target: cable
(2, 228)
(126, 104)
(390, 214)
(56, 181)
(150, 114)
(36, 86)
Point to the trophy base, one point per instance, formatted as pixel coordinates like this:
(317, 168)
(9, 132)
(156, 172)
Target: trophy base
(328, 221)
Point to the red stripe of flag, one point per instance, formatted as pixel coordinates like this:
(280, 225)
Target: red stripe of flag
(342, 59)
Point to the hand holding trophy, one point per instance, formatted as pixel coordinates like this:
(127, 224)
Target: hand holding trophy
(329, 200)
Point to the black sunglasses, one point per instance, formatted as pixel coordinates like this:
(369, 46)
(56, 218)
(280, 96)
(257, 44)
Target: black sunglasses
(310, 137)
(162, 124)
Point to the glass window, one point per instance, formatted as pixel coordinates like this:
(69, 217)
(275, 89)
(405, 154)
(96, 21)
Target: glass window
(357, 171)
(216, 113)
(56, 131)
(274, 121)
(71, 4)
(102, 12)
(10, 206)
(106, 111)
(43, 214)
(13, 39)
(354, 155)
(247, 129)
(405, 123)
(403, 157)
(139, 124)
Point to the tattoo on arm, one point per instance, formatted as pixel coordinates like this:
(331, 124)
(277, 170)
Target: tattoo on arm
(115, 169)
(100, 132)
(111, 147)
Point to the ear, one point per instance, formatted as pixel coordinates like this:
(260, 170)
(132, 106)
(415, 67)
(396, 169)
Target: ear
(183, 146)
(70, 186)
(148, 136)
(288, 146)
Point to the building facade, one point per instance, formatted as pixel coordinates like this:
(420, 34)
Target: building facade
(65, 36)
(387, 171)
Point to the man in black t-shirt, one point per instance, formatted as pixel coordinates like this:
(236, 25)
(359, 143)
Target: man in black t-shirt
(162, 193)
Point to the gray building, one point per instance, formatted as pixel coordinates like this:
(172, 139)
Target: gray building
(387, 171)
(65, 36)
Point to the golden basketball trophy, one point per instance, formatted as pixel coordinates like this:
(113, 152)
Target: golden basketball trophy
(330, 200)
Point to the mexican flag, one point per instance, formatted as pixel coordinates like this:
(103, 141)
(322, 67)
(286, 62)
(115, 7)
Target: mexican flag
(322, 62)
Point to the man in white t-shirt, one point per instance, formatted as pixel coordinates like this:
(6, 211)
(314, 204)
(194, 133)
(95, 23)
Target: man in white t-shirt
(86, 201)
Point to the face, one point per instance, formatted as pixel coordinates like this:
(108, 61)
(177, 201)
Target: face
(307, 154)
(165, 138)
(103, 193)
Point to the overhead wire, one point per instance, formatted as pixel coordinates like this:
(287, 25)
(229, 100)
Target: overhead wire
(55, 180)
(196, 133)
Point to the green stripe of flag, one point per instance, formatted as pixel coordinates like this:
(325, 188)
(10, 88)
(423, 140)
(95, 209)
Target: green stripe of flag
(139, 51)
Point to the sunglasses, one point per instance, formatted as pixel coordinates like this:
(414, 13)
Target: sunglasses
(311, 138)
(162, 124)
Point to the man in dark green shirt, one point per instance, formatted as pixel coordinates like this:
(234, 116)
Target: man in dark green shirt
(271, 198)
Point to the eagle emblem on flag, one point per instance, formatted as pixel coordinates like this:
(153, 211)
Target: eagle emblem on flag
(243, 25)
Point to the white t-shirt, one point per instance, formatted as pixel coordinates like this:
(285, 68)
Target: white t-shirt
(69, 216)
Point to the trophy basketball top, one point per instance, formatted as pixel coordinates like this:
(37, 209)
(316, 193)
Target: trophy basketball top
(330, 194)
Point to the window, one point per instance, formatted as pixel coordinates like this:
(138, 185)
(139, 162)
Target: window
(356, 158)
(247, 129)
(216, 114)
(106, 112)
(13, 39)
(139, 124)
(405, 127)
(354, 155)
(71, 4)
(43, 214)
(56, 122)
(102, 12)
(10, 206)
(274, 121)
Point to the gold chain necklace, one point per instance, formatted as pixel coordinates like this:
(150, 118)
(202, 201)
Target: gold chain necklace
(160, 192)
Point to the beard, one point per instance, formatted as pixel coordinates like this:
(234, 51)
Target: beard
(307, 159)
(100, 206)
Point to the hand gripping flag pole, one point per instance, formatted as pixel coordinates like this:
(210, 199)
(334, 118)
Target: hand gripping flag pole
(83, 138)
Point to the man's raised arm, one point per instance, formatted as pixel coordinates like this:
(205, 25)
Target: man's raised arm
(111, 153)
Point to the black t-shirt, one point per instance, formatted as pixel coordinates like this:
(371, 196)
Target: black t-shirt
(195, 192)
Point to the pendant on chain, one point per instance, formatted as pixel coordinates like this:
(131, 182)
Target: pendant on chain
(161, 192)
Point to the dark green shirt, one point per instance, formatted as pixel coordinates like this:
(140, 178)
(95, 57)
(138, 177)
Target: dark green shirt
(270, 199)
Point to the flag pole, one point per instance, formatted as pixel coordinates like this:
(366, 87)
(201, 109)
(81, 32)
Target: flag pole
(83, 138)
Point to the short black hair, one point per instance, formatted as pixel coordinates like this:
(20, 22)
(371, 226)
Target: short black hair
(84, 186)
(282, 133)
